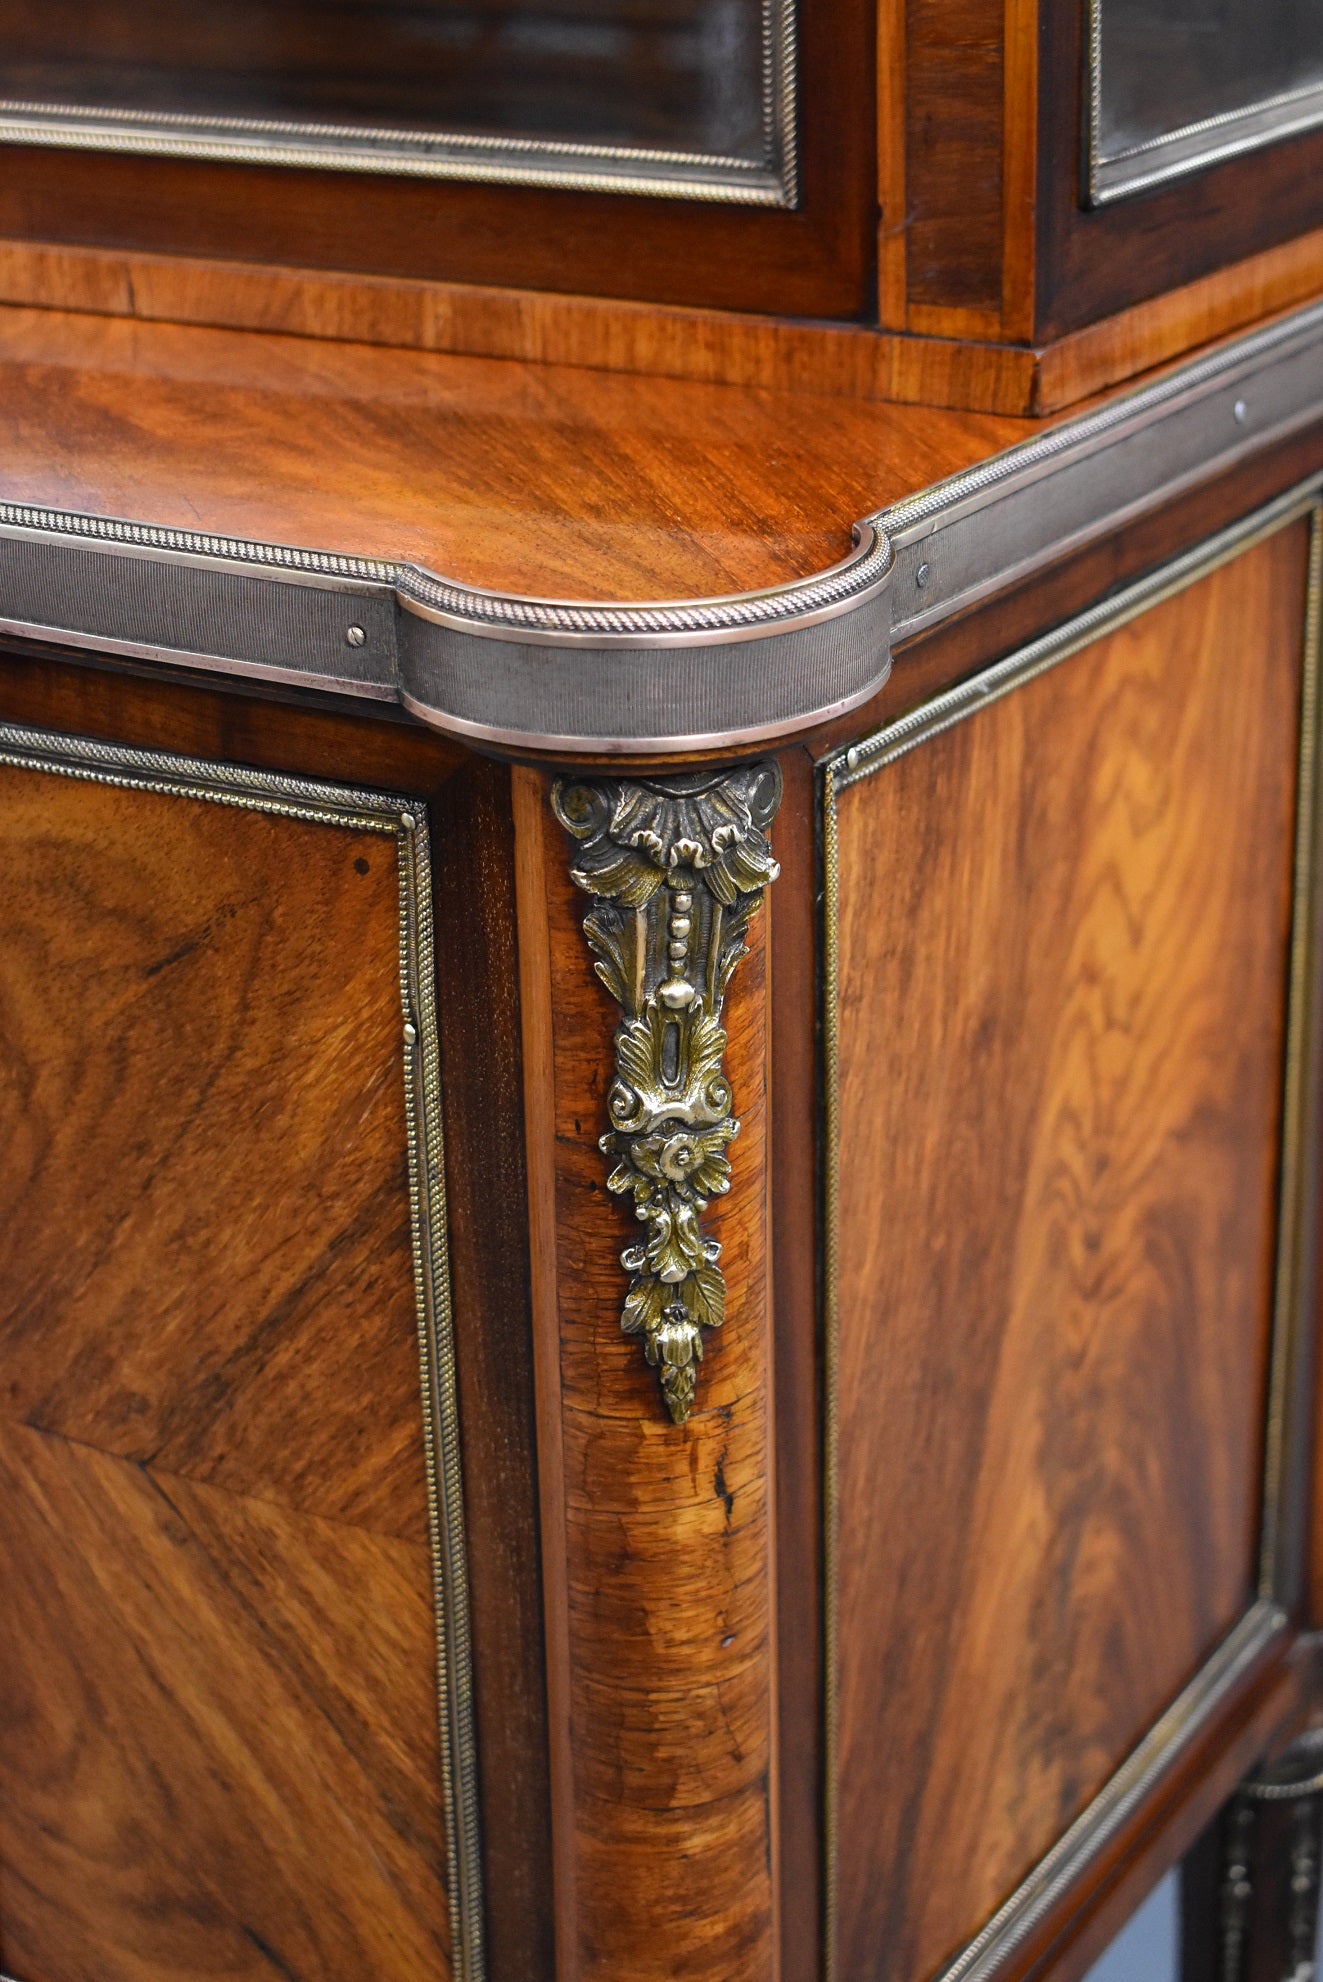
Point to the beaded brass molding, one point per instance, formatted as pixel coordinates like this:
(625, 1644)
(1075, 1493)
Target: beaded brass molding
(401, 819)
(676, 868)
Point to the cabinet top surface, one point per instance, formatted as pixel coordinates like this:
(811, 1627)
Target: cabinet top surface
(535, 479)
(549, 558)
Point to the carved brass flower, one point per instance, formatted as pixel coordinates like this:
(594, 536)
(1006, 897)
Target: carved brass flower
(692, 1161)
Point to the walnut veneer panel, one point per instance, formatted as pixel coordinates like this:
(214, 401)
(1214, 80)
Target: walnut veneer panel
(214, 1748)
(1063, 940)
(218, 1713)
(205, 1261)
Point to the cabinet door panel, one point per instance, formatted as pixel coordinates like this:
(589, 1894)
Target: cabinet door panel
(1064, 928)
(218, 1708)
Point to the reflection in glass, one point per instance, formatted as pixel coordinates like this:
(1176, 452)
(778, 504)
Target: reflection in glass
(692, 94)
(1177, 84)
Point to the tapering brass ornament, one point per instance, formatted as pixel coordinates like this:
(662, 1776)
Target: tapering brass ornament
(676, 868)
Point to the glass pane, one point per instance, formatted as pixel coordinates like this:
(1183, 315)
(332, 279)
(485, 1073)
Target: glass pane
(1147, 1949)
(1178, 83)
(701, 82)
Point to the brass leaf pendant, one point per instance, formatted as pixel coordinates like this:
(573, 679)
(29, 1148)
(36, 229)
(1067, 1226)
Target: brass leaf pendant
(676, 868)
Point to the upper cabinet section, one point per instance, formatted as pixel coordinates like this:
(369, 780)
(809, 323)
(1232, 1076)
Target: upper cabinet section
(1173, 88)
(988, 173)
(1045, 164)
(714, 153)
(694, 99)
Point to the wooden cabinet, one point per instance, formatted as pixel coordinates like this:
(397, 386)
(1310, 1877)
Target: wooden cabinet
(659, 1085)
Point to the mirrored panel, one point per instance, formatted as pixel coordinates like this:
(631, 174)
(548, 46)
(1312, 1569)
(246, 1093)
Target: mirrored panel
(1178, 84)
(693, 98)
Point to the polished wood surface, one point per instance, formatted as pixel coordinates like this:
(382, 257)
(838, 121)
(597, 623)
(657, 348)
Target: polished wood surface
(193, 941)
(1063, 943)
(722, 347)
(957, 159)
(717, 347)
(965, 132)
(797, 1356)
(481, 1079)
(486, 1213)
(1179, 320)
(658, 1556)
(220, 1727)
(954, 86)
(218, 1742)
(524, 478)
(986, 228)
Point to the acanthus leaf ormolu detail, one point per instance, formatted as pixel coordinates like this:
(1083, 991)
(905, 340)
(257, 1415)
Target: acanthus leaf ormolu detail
(676, 867)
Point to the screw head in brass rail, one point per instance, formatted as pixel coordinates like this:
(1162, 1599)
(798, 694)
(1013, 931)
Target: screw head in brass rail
(922, 575)
(355, 637)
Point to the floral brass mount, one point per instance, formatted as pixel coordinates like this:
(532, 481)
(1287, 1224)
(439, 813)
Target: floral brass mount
(676, 868)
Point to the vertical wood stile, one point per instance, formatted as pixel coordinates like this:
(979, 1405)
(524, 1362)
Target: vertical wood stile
(658, 1537)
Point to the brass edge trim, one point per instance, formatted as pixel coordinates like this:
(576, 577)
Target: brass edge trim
(1263, 1788)
(1268, 1615)
(324, 571)
(1108, 466)
(205, 548)
(859, 760)
(1286, 1445)
(770, 180)
(483, 614)
(405, 820)
(722, 181)
(718, 621)
(1216, 1680)
(1194, 408)
(829, 857)
(414, 645)
(1116, 175)
(1131, 410)
(436, 1348)
(184, 658)
(760, 734)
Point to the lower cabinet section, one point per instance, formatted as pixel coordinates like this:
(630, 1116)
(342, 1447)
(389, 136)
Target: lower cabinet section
(1060, 917)
(1049, 1610)
(226, 1538)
